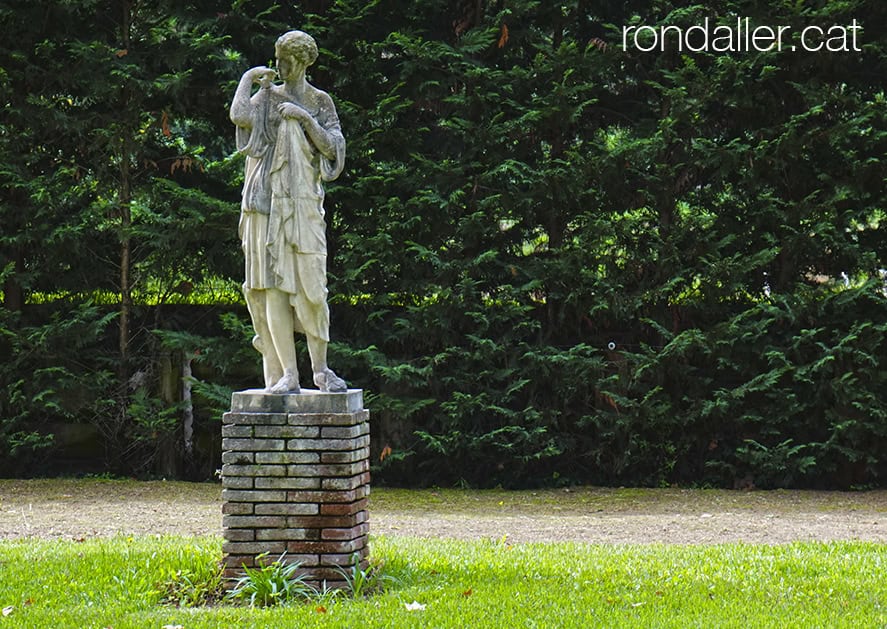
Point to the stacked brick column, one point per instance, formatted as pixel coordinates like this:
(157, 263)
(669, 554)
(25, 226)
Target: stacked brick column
(295, 477)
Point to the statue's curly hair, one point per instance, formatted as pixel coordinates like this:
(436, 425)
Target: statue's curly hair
(301, 46)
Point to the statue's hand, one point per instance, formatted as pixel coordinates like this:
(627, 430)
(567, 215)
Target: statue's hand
(291, 110)
(262, 75)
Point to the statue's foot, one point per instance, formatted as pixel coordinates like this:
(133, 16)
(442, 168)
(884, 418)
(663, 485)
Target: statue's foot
(329, 382)
(289, 383)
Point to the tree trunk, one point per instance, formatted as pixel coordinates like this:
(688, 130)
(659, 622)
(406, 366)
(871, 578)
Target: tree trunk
(168, 462)
(125, 264)
(188, 411)
(125, 203)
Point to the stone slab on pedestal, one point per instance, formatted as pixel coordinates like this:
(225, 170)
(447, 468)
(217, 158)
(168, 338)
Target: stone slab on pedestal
(295, 478)
(308, 401)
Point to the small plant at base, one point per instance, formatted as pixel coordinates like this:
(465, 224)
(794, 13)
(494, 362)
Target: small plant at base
(271, 584)
(325, 595)
(363, 581)
(190, 588)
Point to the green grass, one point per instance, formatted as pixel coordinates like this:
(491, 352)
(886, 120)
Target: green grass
(119, 583)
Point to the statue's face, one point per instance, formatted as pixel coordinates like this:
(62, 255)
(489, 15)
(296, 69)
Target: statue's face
(286, 66)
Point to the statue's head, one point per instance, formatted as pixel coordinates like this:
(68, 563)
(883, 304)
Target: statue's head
(298, 46)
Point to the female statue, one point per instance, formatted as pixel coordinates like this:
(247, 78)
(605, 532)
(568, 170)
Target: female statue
(292, 140)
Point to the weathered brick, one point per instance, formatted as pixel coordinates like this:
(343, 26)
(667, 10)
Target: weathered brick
(344, 509)
(237, 561)
(288, 483)
(237, 495)
(253, 445)
(237, 430)
(242, 548)
(237, 482)
(325, 521)
(288, 432)
(328, 419)
(253, 521)
(237, 458)
(345, 457)
(305, 560)
(237, 508)
(253, 470)
(342, 559)
(327, 548)
(254, 418)
(288, 534)
(345, 534)
(287, 457)
(325, 471)
(239, 535)
(323, 497)
(345, 432)
(326, 444)
(288, 508)
(346, 482)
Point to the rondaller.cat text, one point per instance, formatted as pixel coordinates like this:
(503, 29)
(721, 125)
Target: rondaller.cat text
(742, 36)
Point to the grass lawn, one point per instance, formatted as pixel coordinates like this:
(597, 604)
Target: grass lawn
(120, 583)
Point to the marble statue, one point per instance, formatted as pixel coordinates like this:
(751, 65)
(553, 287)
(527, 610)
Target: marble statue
(290, 133)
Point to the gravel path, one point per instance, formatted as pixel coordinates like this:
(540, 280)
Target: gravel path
(76, 509)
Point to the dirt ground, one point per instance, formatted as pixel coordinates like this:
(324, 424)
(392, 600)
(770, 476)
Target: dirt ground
(77, 509)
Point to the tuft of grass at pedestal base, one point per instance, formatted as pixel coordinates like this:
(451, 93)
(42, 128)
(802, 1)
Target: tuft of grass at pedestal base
(155, 581)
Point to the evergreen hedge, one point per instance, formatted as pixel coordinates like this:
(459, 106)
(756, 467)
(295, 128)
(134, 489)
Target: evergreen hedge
(553, 260)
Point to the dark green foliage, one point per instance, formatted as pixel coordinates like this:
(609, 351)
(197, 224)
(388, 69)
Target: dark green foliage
(552, 260)
(521, 193)
(116, 190)
(44, 381)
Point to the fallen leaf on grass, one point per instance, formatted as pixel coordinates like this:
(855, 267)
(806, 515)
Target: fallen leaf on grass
(415, 606)
(320, 609)
(467, 593)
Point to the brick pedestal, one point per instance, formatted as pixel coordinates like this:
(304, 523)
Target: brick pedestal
(295, 473)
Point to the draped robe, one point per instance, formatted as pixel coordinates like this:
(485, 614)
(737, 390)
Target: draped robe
(282, 226)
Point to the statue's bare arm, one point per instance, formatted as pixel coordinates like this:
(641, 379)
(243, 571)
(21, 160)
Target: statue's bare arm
(241, 113)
